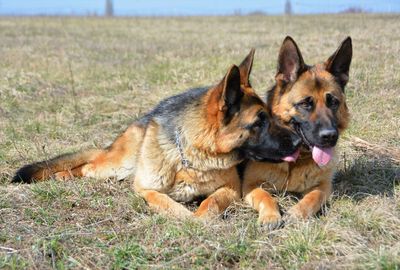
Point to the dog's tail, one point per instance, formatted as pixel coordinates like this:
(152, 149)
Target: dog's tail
(117, 161)
(63, 166)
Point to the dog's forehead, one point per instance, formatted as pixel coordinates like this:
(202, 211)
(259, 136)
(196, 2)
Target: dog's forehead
(250, 114)
(251, 105)
(247, 90)
(316, 81)
(251, 98)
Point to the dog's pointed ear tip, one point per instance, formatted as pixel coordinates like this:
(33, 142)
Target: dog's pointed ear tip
(251, 53)
(249, 56)
(288, 39)
(347, 42)
(289, 44)
(233, 70)
(231, 67)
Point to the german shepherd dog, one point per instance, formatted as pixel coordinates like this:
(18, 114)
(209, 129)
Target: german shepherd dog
(311, 101)
(187, 146)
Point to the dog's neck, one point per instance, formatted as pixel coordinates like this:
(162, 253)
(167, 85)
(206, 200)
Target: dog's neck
(197, 145)
(178, 142)
(196, 158)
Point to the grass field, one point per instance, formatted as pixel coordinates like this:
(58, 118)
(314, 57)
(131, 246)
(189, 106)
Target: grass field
(72, 83)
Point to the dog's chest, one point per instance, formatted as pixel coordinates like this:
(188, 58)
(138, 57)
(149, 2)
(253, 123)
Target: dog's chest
(297, 177)
(303, 177)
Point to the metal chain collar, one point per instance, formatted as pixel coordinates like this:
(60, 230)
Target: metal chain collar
(185, 162)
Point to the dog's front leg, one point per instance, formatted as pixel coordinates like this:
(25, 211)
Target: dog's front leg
(312, 201)
(262, 201)
(218, 201)
(162, 203)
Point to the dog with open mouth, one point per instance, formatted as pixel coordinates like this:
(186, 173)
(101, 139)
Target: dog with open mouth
(311, 101)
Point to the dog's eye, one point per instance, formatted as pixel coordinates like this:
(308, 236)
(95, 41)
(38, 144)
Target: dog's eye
(258, 124)
(254, 126)
(332, 102)
(307, 103)
(262, 116)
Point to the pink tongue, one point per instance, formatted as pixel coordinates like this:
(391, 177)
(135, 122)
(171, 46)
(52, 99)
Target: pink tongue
(322, 156)
(293, 157)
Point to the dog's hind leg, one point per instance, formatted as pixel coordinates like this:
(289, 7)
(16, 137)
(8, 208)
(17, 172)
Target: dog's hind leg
(119, 159)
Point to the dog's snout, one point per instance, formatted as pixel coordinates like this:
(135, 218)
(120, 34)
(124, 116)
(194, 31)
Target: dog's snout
(328, 135)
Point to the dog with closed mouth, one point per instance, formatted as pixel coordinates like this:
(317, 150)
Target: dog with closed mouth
(311, 101)
(187, 146)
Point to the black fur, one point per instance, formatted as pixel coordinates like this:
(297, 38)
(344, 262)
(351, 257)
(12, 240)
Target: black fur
(23, 175)
(167, 111)
(273, 143)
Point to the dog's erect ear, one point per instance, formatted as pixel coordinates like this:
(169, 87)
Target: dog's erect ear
(245, 68)
(290, 61)
(231, 94)
(339, 63)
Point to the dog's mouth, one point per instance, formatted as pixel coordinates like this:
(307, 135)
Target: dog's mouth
(306, 142)
(289, 158)
(321, 155)
(256, 157)
(293, 157)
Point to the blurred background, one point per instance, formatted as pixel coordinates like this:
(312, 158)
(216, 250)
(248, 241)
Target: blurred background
(192, 7)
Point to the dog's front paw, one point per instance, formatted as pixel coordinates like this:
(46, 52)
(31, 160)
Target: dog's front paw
(296, 213)
(204, 214)
(270, 220)
(208, 209)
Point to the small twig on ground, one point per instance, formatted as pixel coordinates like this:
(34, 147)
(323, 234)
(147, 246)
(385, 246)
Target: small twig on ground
(9, 250)
(375, 149)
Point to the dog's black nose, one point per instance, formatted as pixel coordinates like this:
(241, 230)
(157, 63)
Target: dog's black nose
(328, 135)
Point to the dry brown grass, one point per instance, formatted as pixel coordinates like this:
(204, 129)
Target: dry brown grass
(70, 83)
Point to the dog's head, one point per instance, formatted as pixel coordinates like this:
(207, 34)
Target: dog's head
(311, 99)
(242, 120)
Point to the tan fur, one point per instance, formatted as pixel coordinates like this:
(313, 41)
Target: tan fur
(119, 159)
